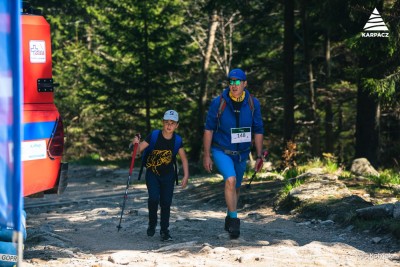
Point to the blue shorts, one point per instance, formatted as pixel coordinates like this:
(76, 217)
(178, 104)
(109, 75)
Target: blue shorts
(229, 165)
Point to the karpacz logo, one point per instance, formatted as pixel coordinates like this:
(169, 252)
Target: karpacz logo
(375, 34)
(375, 26)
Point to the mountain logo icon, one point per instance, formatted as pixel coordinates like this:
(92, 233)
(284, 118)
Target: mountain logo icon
(375, 26)
(375, 22)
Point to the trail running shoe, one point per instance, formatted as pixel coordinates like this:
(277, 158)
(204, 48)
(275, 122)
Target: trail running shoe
(234, 227)
(227, 223)
(165, 236)
(151, 230)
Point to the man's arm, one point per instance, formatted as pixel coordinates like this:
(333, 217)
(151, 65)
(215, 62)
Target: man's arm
(207, 138)
(258, 143)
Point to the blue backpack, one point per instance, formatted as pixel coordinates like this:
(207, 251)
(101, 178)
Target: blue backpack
(153, 140)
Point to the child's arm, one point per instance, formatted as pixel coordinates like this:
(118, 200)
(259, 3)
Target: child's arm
(185, 166)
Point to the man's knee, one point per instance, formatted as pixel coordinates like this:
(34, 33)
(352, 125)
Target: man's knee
(231, 182)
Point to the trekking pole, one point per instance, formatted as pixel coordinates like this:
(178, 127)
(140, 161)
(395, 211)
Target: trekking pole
(265, 154)
(129, 179)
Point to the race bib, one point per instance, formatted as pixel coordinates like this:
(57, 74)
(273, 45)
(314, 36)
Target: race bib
(240, 135)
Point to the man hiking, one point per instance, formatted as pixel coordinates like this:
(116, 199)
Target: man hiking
(233, 119)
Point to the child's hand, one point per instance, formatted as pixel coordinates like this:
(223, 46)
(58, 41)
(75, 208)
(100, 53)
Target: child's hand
(136, 140)
(184, 182)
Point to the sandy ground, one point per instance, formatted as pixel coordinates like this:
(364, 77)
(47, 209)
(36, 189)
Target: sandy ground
(78, 228)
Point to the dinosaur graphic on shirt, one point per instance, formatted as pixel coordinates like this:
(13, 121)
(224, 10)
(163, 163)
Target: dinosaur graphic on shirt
(158, 158)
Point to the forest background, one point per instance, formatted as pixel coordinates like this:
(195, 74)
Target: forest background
(324, 89)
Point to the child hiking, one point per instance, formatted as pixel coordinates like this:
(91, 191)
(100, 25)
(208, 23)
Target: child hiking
(160, 148)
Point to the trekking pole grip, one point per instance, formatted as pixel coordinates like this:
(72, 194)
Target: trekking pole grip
(135, 147)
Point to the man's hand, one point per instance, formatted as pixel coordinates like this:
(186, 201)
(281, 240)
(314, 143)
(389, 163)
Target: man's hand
(260, 160)
(207, 163)
(259, 164)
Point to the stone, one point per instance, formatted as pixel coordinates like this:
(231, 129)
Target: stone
(376, 212)
(396, 210)
(363, 167)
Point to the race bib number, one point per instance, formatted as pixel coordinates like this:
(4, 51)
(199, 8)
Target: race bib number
(240, 135)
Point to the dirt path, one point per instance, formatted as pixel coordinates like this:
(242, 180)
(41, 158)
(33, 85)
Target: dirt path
(79, 229)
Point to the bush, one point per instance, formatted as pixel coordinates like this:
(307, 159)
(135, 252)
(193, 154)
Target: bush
(385, 178)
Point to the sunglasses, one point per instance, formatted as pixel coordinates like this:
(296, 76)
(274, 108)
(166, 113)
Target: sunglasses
(235, 82)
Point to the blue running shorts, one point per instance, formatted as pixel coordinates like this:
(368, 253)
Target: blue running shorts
(229, 165)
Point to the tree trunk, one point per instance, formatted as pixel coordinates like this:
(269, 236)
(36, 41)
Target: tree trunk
(367, 126)
(329, 141)
(202, 100)
(147, 86)
(288, 72)
(339, 129)
(312, 111)
(329, 137)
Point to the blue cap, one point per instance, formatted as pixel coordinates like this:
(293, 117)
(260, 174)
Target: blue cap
(238, 74)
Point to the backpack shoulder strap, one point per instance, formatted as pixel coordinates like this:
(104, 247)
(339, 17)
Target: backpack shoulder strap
(221, 108)
(153, 140)
(251, 104)
(177, 146)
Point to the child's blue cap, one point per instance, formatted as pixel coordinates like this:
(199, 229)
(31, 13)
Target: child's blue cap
(238, 74)
(171, 115)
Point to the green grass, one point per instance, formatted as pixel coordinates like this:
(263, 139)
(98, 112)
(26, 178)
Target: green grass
(289, 186)
(283, 199)
(292, 172)
(314, 163)
(385, 178)
(331, 166)
(345, 175)
(328, 163)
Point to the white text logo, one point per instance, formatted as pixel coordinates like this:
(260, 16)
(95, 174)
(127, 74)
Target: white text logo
(375, 26)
